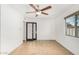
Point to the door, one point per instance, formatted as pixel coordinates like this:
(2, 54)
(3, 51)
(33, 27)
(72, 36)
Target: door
(31, 31)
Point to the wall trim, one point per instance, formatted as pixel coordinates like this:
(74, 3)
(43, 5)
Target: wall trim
(65, 47)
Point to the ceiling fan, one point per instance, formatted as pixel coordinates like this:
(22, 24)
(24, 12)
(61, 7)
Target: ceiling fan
(39, 11)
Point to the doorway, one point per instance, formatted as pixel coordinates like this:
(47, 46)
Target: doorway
(31, 31)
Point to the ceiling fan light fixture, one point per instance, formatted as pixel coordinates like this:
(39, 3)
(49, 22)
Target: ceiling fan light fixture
(38, 13)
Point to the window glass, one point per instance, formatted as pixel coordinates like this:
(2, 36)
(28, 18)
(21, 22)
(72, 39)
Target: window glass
(70, 26)
(78, 26)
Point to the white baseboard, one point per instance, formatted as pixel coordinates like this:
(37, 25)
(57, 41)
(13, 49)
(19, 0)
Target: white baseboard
(8, 52)
(66, 47)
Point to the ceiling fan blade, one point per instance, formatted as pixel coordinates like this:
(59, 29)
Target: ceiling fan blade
(48, 7)
(31, 12)
(44, 13)
(33, 7)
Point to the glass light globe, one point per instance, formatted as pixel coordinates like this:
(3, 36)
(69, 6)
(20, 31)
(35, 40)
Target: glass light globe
(38, 13)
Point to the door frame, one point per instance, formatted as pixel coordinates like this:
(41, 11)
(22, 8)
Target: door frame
(27, 39)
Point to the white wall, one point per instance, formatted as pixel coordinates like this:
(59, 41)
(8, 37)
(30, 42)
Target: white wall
(45, 28)
(70, 43)
(11, 28)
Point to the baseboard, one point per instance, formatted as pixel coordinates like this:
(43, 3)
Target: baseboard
(65, 47)
(15, 47)
(45, 39)
(37, 39)
(24, 41)
(4, 53)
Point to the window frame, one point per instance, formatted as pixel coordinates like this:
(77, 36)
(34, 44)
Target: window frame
(75, 14)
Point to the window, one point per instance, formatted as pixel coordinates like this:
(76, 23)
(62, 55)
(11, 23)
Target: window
(78, 26)
(72, 24)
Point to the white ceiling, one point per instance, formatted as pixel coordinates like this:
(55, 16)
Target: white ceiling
(55, 11)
